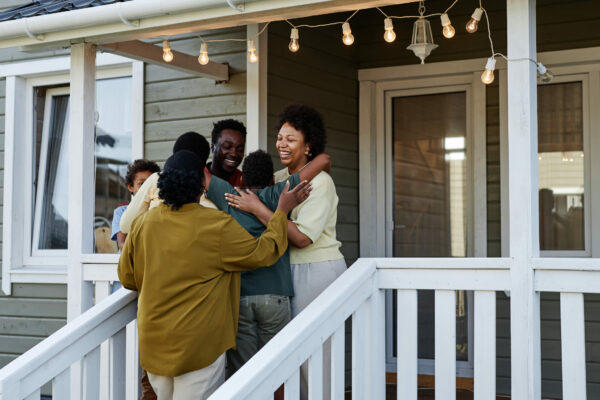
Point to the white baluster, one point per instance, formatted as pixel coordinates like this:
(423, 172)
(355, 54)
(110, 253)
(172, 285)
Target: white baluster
(485, 345)
(102, 291)
(91, 375)
(406, 345)
(375, 343)
(572, 336)
(132, 366)
(337, 363)
(358, 352)
(445, 345)
(315, 375)
(292, 386)
(117, 365)
(61, 384)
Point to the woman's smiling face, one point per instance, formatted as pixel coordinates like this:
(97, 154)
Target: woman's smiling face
(291, 148)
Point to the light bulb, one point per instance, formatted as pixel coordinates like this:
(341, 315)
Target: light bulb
(252, 54)
(488, 75)
(203, 58)
(347, 38)
(294, 36)
(448, 30)
(389, 35)
(474, 22)
(167, 53)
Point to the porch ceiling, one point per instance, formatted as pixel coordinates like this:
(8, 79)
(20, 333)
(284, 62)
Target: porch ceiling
(138, 19)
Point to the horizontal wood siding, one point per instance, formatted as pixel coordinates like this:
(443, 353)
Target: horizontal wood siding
(321, 74)
(176, 102)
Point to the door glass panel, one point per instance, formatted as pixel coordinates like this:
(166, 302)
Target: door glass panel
(561, 166)
(430, 195)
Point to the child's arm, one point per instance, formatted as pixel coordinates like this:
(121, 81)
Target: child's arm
(121, 239)
(322, 162)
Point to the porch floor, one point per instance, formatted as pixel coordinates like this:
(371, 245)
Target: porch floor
(429, 394)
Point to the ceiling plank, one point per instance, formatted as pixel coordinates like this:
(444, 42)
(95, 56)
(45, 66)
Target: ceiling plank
(152, 54)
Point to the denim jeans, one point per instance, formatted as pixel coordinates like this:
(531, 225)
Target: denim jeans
(261, 317)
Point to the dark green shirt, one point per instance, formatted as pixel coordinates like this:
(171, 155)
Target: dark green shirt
(277, 278)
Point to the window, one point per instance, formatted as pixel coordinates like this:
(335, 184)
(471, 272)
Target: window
(36, 195)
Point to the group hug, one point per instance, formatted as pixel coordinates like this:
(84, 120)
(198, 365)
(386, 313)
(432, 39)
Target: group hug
(223, 259)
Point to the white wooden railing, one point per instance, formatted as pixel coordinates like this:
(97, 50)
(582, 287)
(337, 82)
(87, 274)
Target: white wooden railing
(358, 293)
(79, 344)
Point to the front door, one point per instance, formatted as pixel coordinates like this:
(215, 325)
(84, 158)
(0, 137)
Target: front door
(428, 174)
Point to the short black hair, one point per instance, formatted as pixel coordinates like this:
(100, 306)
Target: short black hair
(194, 142)
(232, 124)
(178, 187)
(308, 121)
(139, 166)
(257, 170)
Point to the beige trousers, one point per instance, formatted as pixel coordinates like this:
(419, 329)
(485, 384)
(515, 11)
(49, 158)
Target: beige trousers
(199, 384)
(309, 281)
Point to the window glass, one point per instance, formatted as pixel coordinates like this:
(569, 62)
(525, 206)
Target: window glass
(51, 217)
(561, 166)
(112, 154)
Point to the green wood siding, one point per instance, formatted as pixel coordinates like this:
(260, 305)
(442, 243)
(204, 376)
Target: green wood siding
(322, 74)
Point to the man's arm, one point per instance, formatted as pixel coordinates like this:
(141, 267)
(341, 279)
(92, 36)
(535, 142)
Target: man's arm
(322, 162)
(140, 203)
(121, 240)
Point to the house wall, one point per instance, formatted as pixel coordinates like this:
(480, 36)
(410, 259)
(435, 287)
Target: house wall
(174, 103)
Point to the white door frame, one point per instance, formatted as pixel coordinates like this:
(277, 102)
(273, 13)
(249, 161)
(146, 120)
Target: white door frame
(377, 88)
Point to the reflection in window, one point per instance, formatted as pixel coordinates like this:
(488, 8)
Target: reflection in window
(113, 153)
(561, 166)
(51, 213)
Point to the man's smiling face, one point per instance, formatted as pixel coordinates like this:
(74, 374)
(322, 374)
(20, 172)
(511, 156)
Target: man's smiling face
(229, 150)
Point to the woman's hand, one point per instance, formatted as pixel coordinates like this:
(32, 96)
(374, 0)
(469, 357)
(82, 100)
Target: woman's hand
(289, 199)
(247, 201)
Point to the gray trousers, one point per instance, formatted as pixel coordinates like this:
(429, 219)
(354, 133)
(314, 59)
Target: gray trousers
(261, 317)
(310, 280)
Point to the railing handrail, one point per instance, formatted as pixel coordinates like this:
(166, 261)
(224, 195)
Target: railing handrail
(501, 263)
(69, 344)
(261, 376)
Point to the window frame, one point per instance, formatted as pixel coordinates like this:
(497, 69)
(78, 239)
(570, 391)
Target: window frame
(582, 66)
(20, 263)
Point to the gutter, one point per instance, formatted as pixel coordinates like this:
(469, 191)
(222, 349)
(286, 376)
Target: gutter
(129, 13)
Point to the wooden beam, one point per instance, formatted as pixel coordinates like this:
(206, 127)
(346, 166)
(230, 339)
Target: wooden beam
(152, 54)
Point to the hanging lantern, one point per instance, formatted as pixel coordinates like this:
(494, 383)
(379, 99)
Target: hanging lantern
(422, 38)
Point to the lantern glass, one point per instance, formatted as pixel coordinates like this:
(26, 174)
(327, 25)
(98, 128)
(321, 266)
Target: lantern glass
(422, 39)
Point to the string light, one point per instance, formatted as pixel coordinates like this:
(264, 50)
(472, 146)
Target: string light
(448, 30)
(347, 36)
(167, 53)
(389, 35)
(252, 54)
(203, 58)
(487, 76)
(473, 23)
(545, 75)
(294, 36)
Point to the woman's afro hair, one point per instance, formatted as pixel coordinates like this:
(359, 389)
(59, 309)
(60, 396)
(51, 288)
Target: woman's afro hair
(308, 121)
(178, 187)
(139, 166)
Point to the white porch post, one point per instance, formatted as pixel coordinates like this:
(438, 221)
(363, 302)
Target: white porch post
(523, 199)
(81, 187)
(256, 93)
